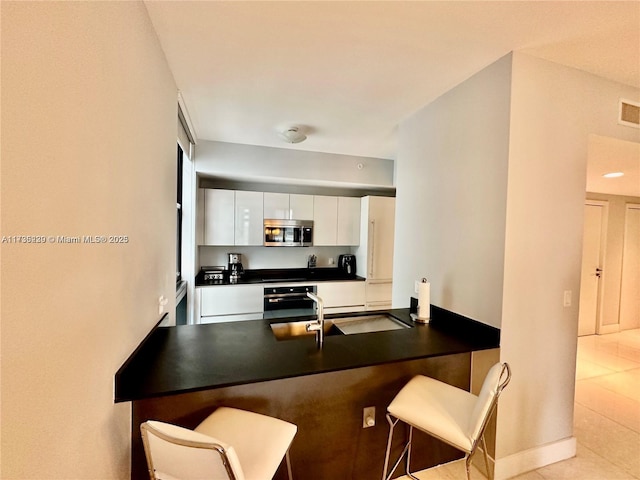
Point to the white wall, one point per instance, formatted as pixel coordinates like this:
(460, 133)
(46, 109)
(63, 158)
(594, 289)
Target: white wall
(499, 233)
(451, 197)
(295, 166)
(88, 148)
(554, 109)
(272, 257)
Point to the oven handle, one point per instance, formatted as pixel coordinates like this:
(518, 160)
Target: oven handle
(302, 296)
(284, 300)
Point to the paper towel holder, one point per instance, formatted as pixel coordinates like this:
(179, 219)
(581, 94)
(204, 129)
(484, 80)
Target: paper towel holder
(420, 317)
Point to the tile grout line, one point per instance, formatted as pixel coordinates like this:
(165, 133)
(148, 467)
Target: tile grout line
(605, 417)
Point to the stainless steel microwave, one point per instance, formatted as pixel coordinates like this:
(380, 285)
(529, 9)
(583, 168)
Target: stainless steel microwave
(288, 233)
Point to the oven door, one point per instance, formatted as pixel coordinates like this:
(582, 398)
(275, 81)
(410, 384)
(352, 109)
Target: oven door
(288, 301)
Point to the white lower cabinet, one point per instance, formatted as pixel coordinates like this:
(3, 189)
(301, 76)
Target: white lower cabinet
(378, 295)
(231, 318)
(342, 297)
(226, 303)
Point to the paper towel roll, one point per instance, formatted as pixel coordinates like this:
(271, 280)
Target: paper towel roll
(424, 300)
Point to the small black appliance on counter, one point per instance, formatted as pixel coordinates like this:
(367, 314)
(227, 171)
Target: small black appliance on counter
(347, 263)
(235, 267)
(213, 274)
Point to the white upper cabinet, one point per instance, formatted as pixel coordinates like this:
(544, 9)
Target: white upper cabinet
(230, 217)
(276, 205)
(325, 220)
(301, 207)
(249, 219)
(236, 217)
(336, 220)
(348, 221)
(219, 217)
(288, 207)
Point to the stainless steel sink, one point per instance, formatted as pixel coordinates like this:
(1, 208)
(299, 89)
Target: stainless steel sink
(291, 330)
(339, 326)
(368, 323)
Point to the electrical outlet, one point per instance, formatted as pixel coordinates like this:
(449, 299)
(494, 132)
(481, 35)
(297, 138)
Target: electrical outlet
(567, 298)
(415, 286)
(368, 417)
(162, 302)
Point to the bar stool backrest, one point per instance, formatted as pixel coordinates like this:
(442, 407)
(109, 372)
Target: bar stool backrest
(498, 377)
(176, 453)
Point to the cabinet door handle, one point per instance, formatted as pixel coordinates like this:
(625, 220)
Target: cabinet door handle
(372, 241)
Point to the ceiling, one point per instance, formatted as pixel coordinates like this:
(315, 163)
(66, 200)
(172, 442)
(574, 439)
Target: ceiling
(349, 72)
(608, 155)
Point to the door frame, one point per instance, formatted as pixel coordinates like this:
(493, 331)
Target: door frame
(628, 206)
(600, 328)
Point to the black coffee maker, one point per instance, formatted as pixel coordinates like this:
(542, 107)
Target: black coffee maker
(347, 263)
(235, 267)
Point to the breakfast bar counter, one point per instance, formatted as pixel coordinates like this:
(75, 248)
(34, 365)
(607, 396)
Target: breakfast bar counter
(181, 374)
(189, 358)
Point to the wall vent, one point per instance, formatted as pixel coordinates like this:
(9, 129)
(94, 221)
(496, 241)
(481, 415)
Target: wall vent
(629, 113)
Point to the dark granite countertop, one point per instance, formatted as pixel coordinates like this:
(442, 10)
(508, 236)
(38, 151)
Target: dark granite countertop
(283, 275)
(173, 360)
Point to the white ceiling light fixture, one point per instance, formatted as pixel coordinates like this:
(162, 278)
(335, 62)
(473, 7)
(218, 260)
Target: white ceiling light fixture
(293, 135)
(613, 175)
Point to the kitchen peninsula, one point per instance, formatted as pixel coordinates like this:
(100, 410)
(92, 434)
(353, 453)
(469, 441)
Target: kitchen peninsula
(180, 374)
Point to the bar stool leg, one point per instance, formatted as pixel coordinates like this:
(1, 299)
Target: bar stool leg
(388, 451)
(408, 448)
(289, 476)
(385, 475)
(486, 459)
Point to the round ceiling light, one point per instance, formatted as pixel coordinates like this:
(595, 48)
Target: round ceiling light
(293, 135)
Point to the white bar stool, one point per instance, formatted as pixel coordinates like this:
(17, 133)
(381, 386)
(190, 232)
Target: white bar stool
(229, 444)
(453, 415)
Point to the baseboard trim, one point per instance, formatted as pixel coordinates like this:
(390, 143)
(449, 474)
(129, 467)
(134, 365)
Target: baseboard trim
(606, 329)
(534, 458)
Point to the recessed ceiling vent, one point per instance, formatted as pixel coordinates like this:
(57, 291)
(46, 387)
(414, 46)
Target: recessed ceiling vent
(629, 113)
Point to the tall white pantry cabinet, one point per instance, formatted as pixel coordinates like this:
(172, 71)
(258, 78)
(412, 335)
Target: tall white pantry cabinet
(374, 255)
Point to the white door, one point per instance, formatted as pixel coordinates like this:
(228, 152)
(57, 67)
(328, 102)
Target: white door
(630, 285)
(591, 277)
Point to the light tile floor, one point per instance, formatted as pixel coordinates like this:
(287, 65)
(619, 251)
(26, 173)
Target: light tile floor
(606, 420)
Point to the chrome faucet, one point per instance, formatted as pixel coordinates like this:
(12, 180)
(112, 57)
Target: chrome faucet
(317, 326)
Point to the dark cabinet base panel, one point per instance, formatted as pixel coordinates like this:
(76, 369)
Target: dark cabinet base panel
(331, 443)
